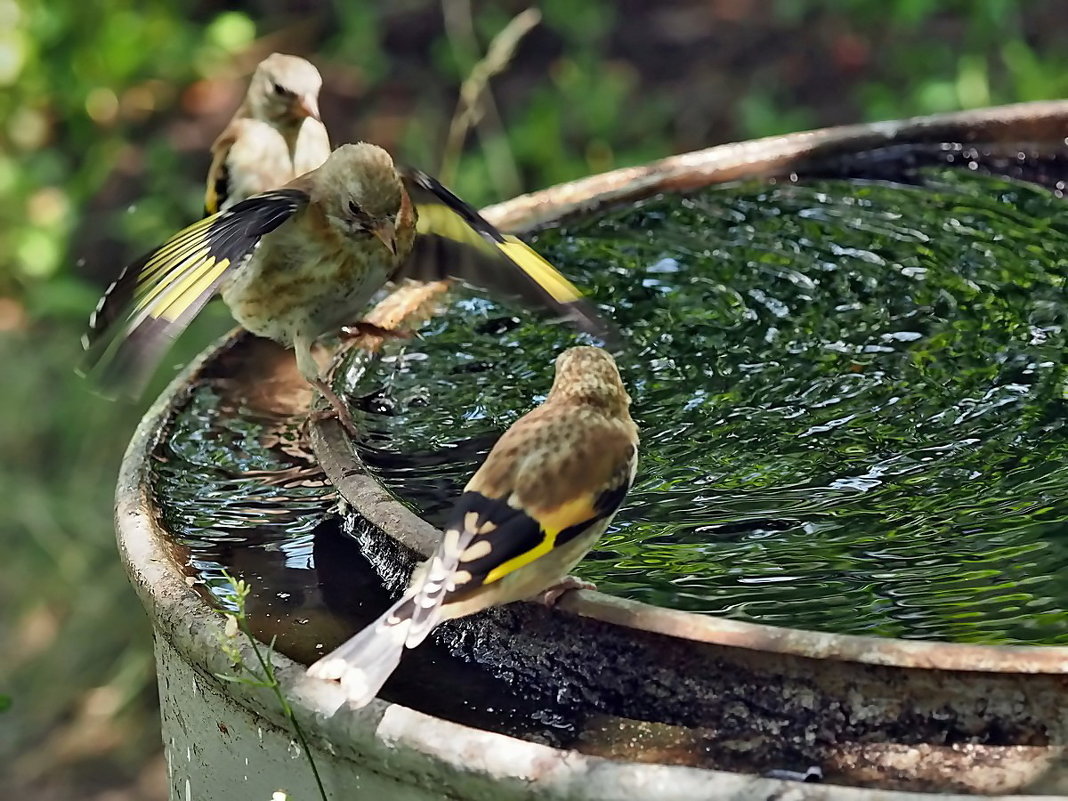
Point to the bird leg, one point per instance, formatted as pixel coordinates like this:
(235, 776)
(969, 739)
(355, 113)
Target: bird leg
(363, 328)
(310, 370)
(550, 596)
(337, 409)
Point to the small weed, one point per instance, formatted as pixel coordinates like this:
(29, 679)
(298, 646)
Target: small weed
(262, 673)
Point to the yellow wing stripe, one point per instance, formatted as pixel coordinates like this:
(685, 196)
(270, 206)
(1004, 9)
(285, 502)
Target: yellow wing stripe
(176, 297)
(565, 516)
(211, 199)
(176, 275)
(516, 562)
(442, 221)
(546, 276)
(190, 288)
(172, 249)
(434, 218)
(150, 292)
(175, 245)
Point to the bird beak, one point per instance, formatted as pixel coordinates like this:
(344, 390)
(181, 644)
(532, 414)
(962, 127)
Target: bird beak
(308, 106)
(386, 233)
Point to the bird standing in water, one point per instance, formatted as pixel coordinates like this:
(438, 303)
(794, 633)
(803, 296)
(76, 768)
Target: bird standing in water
(547, 491)
(301, 261)
(274, 136)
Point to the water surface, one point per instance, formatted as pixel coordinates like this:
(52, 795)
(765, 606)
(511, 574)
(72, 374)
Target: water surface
(851, 396)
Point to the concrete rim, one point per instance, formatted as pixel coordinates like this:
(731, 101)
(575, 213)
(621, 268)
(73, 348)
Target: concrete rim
(778, 155)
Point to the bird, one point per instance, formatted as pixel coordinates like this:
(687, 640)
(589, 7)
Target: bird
(301, 261)
(275, 135)
(546, 492)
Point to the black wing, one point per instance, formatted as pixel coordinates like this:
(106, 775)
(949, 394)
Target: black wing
(455, 241)
(156, 297)
(486, 538)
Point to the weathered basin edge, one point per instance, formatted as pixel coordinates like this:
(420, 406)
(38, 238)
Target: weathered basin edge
(1040, 121)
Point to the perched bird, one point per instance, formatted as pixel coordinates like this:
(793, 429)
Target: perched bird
(546, 492)
(274, 136)
(301, 261)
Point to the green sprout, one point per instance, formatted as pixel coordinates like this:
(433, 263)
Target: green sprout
(261, 674)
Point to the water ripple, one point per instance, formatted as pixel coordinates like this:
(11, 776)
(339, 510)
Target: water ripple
(851, 396)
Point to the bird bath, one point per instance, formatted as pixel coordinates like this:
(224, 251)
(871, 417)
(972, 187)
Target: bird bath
(611, 696)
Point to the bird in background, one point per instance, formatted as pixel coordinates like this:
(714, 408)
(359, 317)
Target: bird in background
(275, 134)
(301, 261)
(547, 491)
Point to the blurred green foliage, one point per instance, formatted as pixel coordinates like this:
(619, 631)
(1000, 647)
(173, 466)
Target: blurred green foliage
(106, 112)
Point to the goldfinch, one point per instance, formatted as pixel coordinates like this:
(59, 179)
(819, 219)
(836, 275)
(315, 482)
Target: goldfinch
(274, 136)
(546, 492)
(302, 261)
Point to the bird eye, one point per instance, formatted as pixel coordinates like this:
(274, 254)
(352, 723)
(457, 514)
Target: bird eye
(354, 209)
(279, 89)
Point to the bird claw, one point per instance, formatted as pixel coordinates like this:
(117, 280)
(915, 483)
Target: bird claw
(318, 415)
(550, 596)
(338, 409)
(366, 329)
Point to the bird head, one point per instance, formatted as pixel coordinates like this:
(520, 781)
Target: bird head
(589, 375)
(362, 193)
(285, 90)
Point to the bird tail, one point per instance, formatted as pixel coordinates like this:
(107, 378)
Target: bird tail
(364, 662)
(432, 584)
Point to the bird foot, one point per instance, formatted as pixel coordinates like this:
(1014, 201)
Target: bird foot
(550, 596)
(366, 329)
(338, 408)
